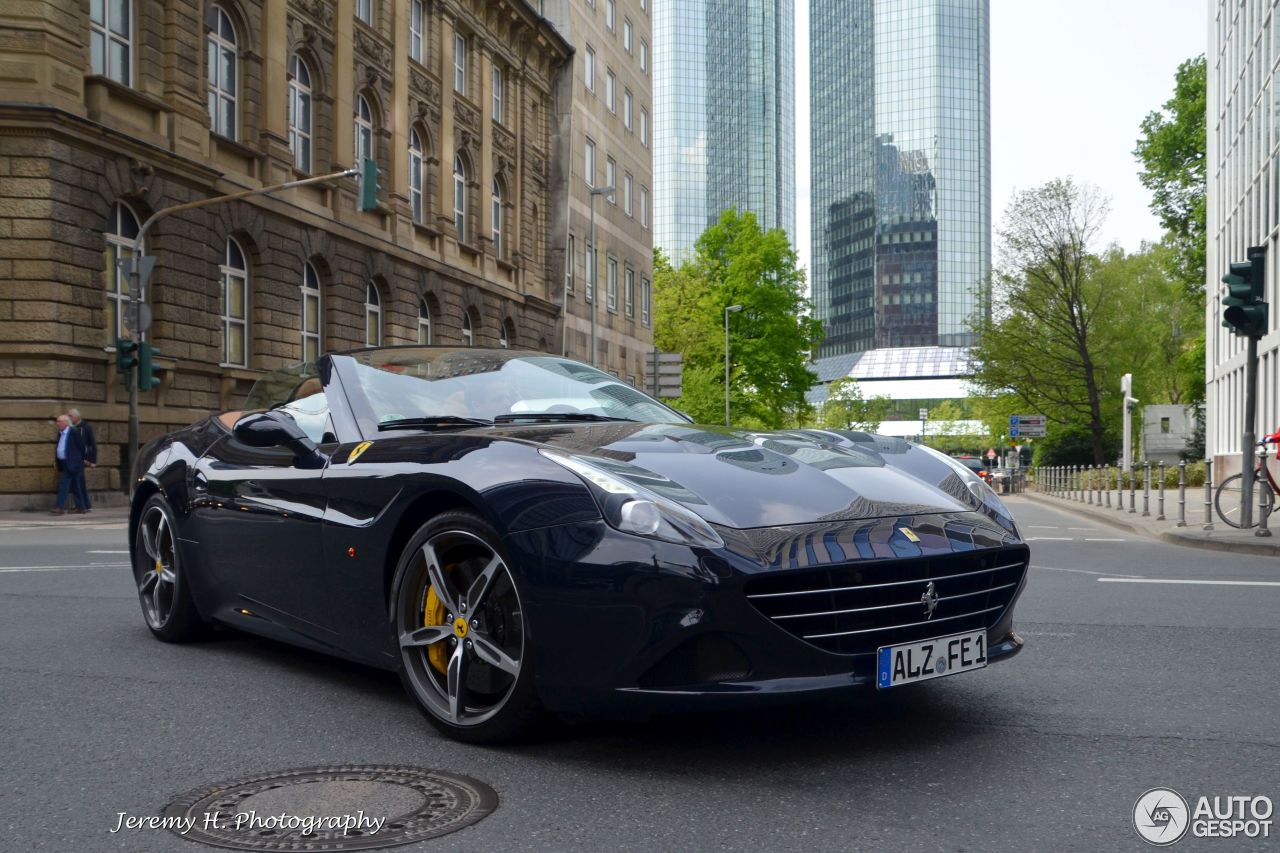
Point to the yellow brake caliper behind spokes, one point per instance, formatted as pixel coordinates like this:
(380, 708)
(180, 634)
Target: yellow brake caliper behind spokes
(433, 613)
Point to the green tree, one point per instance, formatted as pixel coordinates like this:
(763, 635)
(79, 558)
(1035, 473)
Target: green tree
(846, 408)
(737, 263)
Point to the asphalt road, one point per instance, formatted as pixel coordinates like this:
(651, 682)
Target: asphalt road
(1122, 687)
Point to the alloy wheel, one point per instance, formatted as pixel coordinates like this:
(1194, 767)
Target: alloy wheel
(156, 569)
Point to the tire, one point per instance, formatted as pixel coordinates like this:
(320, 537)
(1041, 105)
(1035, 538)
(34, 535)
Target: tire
(1227, 501)
(162, 585)
(468, 665)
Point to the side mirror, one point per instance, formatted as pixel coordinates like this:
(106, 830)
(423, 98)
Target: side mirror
(277, 429)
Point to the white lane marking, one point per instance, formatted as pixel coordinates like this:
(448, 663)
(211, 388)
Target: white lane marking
(6, 569)
(107, 552)
(1042, 526)
(1101, 575)
(1082, 528)
(1050, 539)
(1046, 633)
(1087, 539)
(1189, 582)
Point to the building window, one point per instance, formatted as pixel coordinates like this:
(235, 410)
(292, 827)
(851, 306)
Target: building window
(626, 108)
(111, 39)
(610, 84)
(300, 113)
(610, 15)
(611, 284)
(235, 306)
(497, 94)
(224, 72)
(468, 334)
(644, 55)
(460, 64)
(644, 127)
(424, 322)
(611, 175)
(496, 200)
(460, 197)
(644, 207)
(629, 292)
(589, 163)
(646, 296)
(310, 313)
(570, 259)
(364, 129)
(122, 230)
(416, 176)
(626, 193)
(589, 68)
(417, 14)
(372, 316)
(589, 288)
(364, 11)
(626, 35)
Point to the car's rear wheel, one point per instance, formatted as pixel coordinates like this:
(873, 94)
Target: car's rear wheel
(465, 651)
(162, 585)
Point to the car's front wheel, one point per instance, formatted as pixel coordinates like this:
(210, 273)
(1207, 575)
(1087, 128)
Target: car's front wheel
(465, 652)
(163, 587)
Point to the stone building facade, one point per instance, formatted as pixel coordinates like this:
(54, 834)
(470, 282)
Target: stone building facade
(117, 109)
(609, 140)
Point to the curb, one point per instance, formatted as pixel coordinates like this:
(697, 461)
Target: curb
(1177, 536)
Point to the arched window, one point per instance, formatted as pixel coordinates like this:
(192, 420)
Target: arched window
(121, 231)
(111, 39)
(224, 72)
(496, 200)
(364, 129)
(506, 334)
(417, 175)
(460, 197)
(372, 316)
(424, 322)
(235, 306)
(300, 113)
(468, 335)
(311, 313)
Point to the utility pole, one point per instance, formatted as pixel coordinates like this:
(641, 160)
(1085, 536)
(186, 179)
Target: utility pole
(141, 267)
(1126, 388)
(1246, 314)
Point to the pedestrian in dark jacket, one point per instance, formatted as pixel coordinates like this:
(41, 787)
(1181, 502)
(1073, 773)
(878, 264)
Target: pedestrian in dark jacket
(90, 452)
(69, 457)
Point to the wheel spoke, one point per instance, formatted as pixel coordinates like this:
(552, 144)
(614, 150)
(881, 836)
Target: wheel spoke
(167, 575)
(155, 549)
(149, 539)
(427, 636)
(483, 583)
(489, 652)
(436, 575)
(155, 602)
(148, 580)
(457, 682)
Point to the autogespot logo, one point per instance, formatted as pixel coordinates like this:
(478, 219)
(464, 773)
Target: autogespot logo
(1160, 816)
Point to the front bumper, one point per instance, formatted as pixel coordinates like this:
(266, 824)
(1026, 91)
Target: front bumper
(626, 626)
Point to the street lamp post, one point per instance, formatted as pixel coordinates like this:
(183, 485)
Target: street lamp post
(595, 268)
(728, 309)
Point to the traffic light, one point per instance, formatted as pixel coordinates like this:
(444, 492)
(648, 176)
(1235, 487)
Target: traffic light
(126, 358)
(1244, 312)
(147, 378)
(368, 185)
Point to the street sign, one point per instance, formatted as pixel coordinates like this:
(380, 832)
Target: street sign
(924, 414)
(146, 263)
(137, 317)
(1027, 421)
(665, 372)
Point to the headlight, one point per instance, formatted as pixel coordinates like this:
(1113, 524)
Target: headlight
(634, 509)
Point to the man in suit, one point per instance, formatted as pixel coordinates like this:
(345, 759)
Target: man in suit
(69, 457)
(90, 454)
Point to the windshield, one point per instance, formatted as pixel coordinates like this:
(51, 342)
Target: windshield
(411, 382)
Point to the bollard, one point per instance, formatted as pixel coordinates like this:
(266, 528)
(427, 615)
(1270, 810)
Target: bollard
(1146, 489)
(1075, 482)
(1264, 492)
(1133, 487)
(1182, 493)
(1160, 501)
(1098, 483)
(1106, 484)
(1208, 495)
(1088, 484)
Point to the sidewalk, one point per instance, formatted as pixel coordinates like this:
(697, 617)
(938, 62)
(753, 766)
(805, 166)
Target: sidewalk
(99, 516)
(1222, 537)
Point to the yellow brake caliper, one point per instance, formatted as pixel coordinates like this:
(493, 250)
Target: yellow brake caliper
(433, 613)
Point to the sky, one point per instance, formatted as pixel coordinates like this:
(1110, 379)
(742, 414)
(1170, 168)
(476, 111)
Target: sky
(1071, 81)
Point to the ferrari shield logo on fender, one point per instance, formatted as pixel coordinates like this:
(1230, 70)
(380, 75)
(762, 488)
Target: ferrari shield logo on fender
(359, 448)
(929, 600)
(909, 533)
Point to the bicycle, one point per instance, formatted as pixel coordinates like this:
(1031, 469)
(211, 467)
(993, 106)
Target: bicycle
(1227, 499)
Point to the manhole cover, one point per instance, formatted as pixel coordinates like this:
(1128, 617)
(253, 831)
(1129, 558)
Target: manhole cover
(331, 808)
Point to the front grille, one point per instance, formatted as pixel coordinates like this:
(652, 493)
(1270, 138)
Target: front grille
(855, 609)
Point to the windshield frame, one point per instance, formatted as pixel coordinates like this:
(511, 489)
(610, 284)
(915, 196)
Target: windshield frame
(347, 365)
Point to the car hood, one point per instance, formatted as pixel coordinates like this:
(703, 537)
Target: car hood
(746, 479)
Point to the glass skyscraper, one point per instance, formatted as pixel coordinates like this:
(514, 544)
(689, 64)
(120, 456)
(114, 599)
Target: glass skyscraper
(724, 116)
(901, 170)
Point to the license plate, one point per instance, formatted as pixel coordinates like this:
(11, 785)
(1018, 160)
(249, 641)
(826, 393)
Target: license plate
(930, 659)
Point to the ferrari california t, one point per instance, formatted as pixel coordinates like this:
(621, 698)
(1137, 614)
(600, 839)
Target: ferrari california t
(519, 534)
